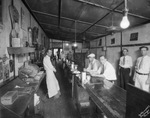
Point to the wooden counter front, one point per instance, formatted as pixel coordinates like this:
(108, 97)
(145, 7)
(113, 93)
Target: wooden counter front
(80, 96)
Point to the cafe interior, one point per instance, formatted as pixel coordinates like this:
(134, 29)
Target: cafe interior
(44, 42)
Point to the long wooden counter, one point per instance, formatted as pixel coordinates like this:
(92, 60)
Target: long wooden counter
(23, 102)
(112, 100)
(109, 98)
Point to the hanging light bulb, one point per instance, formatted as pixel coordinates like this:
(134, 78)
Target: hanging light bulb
(75, 44)
(125, 21)
(67, 44)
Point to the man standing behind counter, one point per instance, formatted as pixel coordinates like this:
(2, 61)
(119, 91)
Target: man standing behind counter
(93, 64)
(125, 66)
(107, 72)
(51, 81)
(142, 70)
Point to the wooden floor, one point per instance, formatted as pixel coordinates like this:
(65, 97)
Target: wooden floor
(63, 107)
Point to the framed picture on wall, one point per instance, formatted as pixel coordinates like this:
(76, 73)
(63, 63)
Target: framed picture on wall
(23, 25)
(134, 36)
(100, 42)
(113, 41)
(44, 41)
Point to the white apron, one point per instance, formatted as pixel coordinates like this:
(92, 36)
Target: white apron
(51, 81)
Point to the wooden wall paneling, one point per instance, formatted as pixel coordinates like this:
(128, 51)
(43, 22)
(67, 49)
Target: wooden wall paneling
(116, 38)
(100, 52)
(113, 55)
(143, 35)
(93, 43)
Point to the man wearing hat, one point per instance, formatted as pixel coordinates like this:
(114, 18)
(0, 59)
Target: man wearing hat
(93, 63)
(142, 70)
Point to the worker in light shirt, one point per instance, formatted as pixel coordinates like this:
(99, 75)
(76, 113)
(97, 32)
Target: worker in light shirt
(125, 66)
(51, 80)
(107, 72)
(93, 64)
(142, 70)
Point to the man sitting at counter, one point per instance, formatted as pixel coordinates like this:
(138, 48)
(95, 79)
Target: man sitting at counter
(105, 71)
(93, 64)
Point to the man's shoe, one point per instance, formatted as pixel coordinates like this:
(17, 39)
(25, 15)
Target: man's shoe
(59, 93)
(56, 96)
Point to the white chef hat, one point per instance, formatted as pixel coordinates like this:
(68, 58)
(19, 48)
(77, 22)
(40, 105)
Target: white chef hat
(91, 55)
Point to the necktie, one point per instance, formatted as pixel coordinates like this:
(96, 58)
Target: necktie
(141, 63)
(124, 60)
(91, 66)
(103, 69)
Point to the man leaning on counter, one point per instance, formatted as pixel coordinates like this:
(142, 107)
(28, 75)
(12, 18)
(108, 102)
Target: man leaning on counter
(106, 70)
(93, 64)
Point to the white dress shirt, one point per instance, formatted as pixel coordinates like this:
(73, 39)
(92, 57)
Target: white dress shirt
(145, 66)
(109, 71)
(128, 62)
(93, 66)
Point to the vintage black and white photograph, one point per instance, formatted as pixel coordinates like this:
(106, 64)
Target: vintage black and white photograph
(74, 58)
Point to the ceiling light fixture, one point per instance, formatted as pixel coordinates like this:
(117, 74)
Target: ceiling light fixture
(125, 21)
(75, 44)
(67, 44)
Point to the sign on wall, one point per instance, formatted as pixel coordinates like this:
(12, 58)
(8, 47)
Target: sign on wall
(113, 41)
(100, 42)
(134, 36)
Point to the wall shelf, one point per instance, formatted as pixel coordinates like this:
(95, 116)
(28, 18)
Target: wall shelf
(20, 50)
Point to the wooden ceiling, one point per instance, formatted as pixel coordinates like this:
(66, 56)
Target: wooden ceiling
(85, 20)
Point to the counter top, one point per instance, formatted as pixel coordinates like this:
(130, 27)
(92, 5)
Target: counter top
(109, 98)
(22, 102)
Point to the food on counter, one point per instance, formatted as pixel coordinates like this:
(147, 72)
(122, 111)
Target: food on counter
(28, 70)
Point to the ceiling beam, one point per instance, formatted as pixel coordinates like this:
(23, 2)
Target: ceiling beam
(118, 11)
(102, 17)
(73, 35)
(70, 29)
(64, 37)
(53, 34)
(79, 13)
(65, 18)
